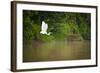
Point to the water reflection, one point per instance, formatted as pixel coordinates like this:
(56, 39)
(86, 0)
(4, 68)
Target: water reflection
(56, 50)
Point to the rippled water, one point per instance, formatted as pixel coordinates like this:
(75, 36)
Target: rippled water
(56, 50)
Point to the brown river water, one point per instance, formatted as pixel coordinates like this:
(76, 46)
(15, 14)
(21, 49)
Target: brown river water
(56, 50)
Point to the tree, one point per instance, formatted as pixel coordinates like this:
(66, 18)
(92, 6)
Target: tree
(61, 24)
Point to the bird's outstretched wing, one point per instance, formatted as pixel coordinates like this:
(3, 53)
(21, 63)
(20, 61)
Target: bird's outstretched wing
(44, 28)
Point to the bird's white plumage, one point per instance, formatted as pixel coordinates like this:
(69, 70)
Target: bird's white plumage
(44, 28)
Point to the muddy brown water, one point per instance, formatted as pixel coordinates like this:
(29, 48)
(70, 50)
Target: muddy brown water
(56, 50)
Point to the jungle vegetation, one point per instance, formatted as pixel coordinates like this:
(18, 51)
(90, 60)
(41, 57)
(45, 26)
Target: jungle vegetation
(62, 25)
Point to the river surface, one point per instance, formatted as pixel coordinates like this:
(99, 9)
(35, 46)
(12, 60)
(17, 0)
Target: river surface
(56, 50)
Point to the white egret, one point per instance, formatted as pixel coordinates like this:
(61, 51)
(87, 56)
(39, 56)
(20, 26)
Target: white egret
(44, 28)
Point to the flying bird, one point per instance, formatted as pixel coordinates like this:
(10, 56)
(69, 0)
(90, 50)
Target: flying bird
(44, 28)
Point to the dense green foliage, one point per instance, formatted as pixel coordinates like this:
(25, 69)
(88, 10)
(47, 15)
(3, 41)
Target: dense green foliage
(60, 24)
